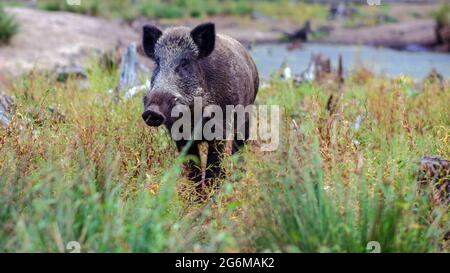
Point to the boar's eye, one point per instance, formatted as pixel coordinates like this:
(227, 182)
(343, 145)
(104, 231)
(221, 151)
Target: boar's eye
(184, 63)
(182, 67)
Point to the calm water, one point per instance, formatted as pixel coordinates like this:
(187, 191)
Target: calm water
(385, 61)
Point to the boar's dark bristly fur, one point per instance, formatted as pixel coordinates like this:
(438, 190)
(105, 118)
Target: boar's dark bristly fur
(197, 63)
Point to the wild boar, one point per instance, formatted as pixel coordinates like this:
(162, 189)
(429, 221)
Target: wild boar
(197, 63)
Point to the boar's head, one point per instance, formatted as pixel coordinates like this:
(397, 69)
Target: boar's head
(178, 76)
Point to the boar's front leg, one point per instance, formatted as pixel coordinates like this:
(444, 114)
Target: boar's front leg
(194, 169)
(213, 162)
(241, 136)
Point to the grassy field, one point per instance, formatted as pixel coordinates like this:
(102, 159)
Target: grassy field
(97, 175)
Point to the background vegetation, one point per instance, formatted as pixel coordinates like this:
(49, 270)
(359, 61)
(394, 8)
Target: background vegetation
(442, 15)
(163, 9)
(91, 171)
(8, 26)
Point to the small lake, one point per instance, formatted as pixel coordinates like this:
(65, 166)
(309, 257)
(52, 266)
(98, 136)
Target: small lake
(385, 61)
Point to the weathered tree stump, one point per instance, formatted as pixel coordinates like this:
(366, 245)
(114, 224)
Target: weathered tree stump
(6, 105)
(128, 71)
(128, 68)
(435, 78)
(435, 172)
(319, 70)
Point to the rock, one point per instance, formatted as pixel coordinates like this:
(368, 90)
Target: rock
(65, 72)
(6, 107)
(435, 171)
(56, 115)
(37, 116)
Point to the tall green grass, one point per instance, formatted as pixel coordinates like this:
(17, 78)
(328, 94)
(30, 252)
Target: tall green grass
(306, 211)
(100, 177)
(340, 188)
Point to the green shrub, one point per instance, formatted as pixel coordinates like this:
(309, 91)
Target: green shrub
(442, 15)
(89, 7)
(239, 8)
(160, 10)
(8, 26)
(212, 10)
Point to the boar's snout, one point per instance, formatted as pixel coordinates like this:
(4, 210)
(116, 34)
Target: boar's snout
(153, 116)
(157, 107)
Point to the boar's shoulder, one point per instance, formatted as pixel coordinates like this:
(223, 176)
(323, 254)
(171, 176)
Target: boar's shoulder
(231, 74)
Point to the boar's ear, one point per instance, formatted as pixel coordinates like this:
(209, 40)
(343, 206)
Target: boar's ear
(151, 35)
(204, 36)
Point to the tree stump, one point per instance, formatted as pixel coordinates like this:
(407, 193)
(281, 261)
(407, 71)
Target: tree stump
(128, 71)
(435, 172)
(6, 105)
